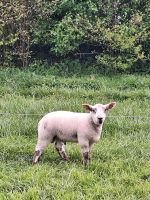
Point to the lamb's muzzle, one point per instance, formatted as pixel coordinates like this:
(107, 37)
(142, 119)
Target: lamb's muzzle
(64, 126)
(100, 119)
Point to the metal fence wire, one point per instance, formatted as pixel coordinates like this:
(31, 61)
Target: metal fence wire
(111, 116)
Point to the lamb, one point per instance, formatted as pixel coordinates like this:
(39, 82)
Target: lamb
(60, 127)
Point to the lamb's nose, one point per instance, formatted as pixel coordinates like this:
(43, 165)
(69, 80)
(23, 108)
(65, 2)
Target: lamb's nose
(100, 119)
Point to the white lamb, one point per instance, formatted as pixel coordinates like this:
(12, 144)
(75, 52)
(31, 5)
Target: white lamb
(63, 126)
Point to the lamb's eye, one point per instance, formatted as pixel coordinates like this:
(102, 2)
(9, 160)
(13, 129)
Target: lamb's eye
(94, 110)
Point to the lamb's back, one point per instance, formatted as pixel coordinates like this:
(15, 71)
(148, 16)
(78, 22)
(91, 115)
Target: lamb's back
(64, 121)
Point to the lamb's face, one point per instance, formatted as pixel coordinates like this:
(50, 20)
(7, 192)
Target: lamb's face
(98, 112)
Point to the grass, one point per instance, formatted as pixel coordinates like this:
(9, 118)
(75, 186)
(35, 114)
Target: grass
(120, 167)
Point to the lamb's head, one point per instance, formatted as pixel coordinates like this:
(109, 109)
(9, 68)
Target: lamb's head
(98, 111)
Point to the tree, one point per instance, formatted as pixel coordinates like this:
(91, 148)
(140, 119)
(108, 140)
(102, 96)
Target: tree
(117, 31)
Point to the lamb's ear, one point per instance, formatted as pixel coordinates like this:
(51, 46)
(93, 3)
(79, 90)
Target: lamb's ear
(110, 105)
(87, 107)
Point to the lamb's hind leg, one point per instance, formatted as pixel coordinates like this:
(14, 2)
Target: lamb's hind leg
(41, 145)
(59, 145)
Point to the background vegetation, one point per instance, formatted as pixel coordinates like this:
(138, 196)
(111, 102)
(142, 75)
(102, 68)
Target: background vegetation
(69, 51)
(111, 34)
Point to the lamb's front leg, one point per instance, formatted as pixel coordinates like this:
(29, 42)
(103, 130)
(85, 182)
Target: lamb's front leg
(85, 151)
(59, 145)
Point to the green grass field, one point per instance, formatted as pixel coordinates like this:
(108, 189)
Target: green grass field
(120, 166)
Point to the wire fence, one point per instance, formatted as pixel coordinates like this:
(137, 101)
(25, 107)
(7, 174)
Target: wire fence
(111, 116)
(140, 120)
(23, 114)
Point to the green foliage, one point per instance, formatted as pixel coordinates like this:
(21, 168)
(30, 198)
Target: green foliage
(15, 29)
(116, 30)
(66, 36)
(114, 61)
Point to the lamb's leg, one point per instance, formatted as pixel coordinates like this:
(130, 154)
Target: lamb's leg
(90, 145)
(59, 145)
(85, 151)
(41, 145)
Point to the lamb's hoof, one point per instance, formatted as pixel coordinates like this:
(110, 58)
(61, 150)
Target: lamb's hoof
(85, 163)
(34, 162)
(36, 157)
(66, 159)
(64, 156)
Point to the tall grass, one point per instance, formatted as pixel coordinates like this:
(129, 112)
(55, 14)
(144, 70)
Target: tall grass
(120, 166)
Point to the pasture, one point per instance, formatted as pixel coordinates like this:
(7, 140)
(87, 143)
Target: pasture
(120, 165)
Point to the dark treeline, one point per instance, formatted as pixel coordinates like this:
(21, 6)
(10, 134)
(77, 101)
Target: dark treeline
(114, 34)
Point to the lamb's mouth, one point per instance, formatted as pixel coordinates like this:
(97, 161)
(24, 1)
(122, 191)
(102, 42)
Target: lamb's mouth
(95, 124)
